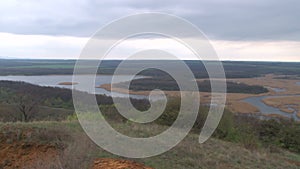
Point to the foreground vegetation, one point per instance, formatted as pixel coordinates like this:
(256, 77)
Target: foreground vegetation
(67, 137)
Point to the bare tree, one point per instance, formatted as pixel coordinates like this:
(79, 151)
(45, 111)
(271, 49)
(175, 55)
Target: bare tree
(26, 105)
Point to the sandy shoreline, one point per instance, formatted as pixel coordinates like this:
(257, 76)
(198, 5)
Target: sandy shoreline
(68, 83)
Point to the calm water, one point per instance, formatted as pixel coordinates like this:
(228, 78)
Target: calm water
(83, 83)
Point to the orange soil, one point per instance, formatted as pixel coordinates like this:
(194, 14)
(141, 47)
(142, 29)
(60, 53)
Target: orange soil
(108, 163)
(17, 150)
(23, 155)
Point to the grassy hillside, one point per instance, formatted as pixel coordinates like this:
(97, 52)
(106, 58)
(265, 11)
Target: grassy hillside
(64, 140)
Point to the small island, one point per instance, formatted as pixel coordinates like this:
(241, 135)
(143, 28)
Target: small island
(68, 83)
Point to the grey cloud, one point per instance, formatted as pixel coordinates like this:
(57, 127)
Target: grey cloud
(222, 20)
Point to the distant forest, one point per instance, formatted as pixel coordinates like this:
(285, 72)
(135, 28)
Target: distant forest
(233, 69)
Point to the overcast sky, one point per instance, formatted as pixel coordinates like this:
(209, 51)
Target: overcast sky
(266, 30)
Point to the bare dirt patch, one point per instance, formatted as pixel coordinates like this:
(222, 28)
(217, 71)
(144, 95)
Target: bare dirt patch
(109, 163)
(30, 148)
(28, 156)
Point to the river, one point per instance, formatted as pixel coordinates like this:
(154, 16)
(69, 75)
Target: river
(54, 80)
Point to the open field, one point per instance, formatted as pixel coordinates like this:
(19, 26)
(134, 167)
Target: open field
(60, 145)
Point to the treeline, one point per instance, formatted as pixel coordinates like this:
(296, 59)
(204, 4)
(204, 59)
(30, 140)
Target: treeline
(168, 84)
(233, 69)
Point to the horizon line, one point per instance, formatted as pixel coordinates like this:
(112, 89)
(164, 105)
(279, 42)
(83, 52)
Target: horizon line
(72, 59)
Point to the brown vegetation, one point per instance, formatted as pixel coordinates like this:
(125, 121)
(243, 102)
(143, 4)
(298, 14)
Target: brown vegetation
(109, 163)
(242, 107)
(28, 148)
(28, 156)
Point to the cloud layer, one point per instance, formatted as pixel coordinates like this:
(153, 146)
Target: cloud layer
(222, 20)
(239, 30)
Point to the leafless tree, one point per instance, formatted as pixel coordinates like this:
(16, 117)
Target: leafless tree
(26, 105)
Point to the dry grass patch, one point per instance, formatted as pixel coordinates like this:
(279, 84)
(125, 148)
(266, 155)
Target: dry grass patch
(242, 107)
